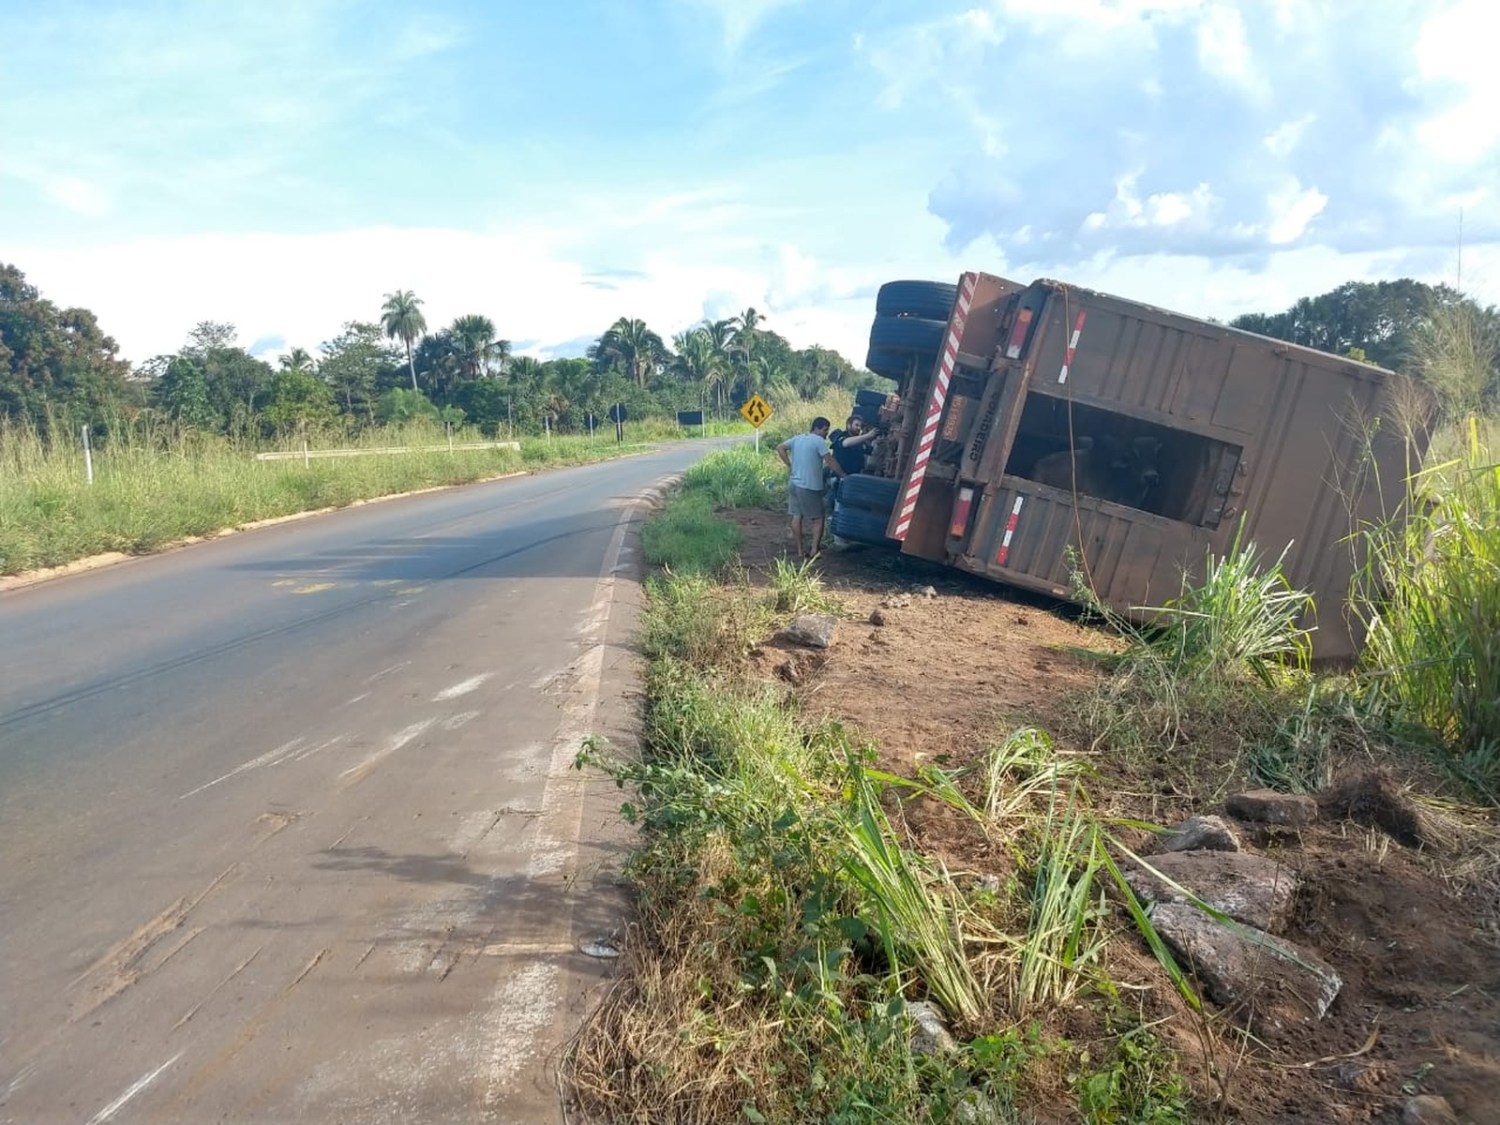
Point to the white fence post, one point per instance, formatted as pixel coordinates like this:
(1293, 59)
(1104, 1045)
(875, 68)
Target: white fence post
(88, 457)
(306, 460)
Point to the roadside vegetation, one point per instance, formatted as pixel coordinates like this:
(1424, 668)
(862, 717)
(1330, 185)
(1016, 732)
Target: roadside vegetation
(787, 930)
(173, 438)
(799, 955)
(154, 487)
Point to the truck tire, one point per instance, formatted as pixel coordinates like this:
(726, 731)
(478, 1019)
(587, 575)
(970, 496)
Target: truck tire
(860, 526)
(869, 493)
(930, 300)
(889, 363)
(908, 334)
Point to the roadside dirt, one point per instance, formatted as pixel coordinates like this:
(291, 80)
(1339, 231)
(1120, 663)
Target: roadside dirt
(950, 671)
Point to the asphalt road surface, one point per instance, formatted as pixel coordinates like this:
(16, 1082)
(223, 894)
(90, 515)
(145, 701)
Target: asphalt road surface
(286, 826)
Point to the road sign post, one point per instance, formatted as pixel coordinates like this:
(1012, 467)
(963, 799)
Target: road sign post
(757, 411)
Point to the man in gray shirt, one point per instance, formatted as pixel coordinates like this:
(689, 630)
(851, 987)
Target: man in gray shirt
(807, 455)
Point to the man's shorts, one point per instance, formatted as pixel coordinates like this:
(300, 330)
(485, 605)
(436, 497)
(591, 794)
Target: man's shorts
(806, 503)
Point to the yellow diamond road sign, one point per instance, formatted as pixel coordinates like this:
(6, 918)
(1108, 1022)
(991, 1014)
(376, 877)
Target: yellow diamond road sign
(756, 410)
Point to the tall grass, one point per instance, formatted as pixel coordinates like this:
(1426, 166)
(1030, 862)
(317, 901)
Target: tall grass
(154, 485)
(1431, 604)
(1218, 682)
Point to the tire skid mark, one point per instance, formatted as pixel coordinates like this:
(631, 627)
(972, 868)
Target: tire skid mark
(238, 969)
(121, 967)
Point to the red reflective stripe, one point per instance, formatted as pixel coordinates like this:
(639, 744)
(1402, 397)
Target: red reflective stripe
(1062, 376)
(1010, 530)
(936, 402)
(1018, 334)
(961, 510)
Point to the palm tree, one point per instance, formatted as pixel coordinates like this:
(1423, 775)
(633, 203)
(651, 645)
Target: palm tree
(697, 360)
(401, 317)
(633, 346)
(525, 371)
(297, 360)
(476, 345)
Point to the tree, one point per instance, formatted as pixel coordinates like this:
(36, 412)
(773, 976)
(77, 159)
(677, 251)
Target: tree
(697, 361)
(631, 347)
(237, 382)
(401, 317)
(297, 360)
(53, 358)
(299, 399)
(353, 364)
(182, 393)
(399, 405)
(476, 346)
(1382, 318)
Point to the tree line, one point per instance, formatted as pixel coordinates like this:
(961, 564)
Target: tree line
(58, 368)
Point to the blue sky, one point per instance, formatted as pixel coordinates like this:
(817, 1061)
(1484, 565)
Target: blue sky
(282, 166)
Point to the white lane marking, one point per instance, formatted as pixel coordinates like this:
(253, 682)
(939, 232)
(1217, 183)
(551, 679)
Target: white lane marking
(461, 688)
(320, 746)
(463, 717)
(115, 1106)
(525, 1006)
(397, 741)
(270, 758)
(521, 1009)
(358, 698)
(15, 1083)
(386, 671)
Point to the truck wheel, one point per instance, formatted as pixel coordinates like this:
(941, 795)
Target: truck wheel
(908, 334)
(870, 493)
(891, 363)
(860, 526)
(931, 300)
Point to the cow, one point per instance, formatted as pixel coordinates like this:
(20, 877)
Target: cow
(1119, 470)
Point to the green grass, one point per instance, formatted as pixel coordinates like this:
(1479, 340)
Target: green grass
(1431, 602)
(783, 923)
(155, 487)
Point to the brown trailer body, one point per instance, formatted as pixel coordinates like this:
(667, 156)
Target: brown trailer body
(1065, 428)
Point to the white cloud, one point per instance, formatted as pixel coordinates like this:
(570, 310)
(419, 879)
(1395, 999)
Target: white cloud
(1291, 210)
(1456, 49)
(1224, 50)
(1281, 141)
(740, 18)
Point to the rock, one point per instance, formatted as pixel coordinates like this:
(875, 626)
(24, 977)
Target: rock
(1274, 984)
(897, 601)
(815, 630)
(926, 592)
(1428, 1109)
(878, 617)
(790, 670)
(1288, 810)
(977, 1108)
(1358, 1076)
(1208, 833)
(990, 883)
(1249, 888)
(930, 1035)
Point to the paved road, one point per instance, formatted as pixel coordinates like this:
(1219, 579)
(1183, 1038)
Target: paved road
(286, 831)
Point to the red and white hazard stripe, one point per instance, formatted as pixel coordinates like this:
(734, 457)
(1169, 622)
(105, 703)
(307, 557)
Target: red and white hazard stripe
(1010, 531)
(1062, 376)
(935, 406)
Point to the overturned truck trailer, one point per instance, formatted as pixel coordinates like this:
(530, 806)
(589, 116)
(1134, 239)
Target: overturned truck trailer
(1041, 429)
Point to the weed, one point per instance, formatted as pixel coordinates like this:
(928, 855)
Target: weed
(1430, 599)
(797, 588)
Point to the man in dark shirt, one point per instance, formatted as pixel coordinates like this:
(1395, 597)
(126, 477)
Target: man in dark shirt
(851, 445)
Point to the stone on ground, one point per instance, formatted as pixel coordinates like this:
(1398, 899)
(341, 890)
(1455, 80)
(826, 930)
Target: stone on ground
(815, 630)
(1273, 984)
(1249, 888)
(1209, 833)
(1266, 806)
(1428, 1109)
(930, 1035)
